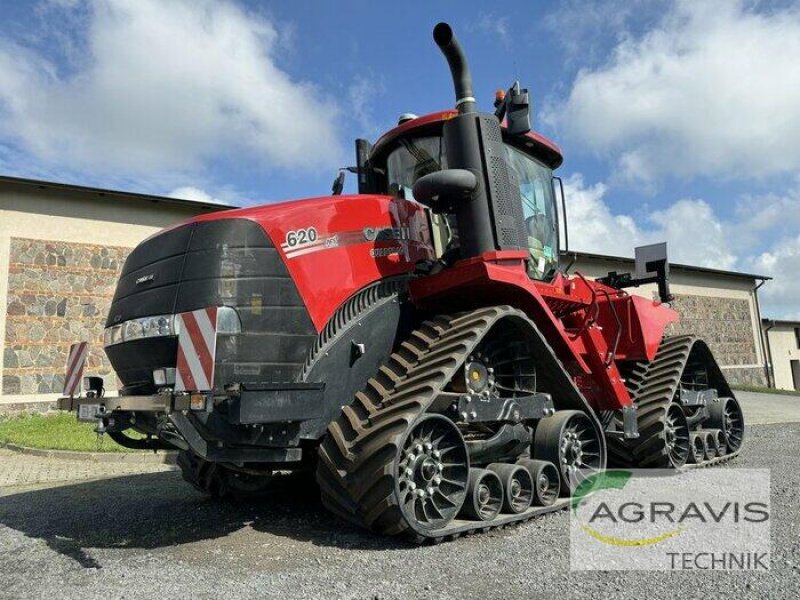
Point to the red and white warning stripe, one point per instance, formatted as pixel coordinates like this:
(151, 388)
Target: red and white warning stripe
(197, 346)
(76, 362)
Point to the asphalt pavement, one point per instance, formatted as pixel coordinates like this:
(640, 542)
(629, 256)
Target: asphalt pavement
(761, 409)
(150, 535)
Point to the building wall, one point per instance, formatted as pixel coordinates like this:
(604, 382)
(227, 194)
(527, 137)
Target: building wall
(58, 293)
(719, 308)
(60, 254)
(783, 348)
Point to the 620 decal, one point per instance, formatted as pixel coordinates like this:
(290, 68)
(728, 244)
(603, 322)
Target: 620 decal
(298, 237)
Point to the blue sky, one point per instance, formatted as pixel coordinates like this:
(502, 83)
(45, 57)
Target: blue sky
(678, 120)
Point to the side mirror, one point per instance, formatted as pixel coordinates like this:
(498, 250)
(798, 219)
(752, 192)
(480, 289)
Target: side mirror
(441, 188)
(338, 183)
(652, 266)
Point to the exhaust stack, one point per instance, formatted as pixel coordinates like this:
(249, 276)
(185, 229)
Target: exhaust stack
(462, 79)
(477, 186)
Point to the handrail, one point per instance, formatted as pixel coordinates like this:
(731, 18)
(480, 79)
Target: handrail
(611, 354)
(587, 321)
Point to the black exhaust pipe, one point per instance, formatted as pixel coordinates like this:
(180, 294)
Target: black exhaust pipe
(462, 80)
(477, 186)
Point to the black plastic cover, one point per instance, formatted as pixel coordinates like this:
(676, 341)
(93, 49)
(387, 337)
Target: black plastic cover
(225, 262)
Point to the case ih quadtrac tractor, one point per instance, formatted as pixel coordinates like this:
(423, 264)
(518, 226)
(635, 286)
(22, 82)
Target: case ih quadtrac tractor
(415, 344)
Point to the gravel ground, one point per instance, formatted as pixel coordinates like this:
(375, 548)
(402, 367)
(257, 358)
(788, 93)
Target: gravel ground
(149, 536)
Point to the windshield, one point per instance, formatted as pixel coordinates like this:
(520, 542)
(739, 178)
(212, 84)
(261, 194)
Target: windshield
(413, 159)
(419, 156)
(538, 210)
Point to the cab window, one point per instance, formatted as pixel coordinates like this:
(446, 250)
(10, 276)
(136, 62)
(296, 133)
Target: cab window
(538, 210)
(414, 158)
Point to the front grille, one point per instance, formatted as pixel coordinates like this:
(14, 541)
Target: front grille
(226, 262)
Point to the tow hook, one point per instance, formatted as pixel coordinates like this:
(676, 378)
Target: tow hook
(102, 427)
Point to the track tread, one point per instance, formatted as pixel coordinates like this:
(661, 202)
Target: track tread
(357, 455)
(652, 386)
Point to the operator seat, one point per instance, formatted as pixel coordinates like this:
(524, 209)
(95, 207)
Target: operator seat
(535, 226)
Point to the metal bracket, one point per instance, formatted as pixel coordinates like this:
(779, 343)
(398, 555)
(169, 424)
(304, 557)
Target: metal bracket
(697, 397)
(630, 423)
(476, 408)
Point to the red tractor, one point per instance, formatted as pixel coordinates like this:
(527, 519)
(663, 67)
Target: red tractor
(416, 344)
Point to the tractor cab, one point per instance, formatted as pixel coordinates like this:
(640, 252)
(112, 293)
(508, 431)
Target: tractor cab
(416, 148)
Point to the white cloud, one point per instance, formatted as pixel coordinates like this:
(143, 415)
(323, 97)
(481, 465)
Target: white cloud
(361, 93)
(592, 226)
(693, 232)
(696, 235)
(782, 261)
(770, 211)
(713, 89)
(497, 27)
(164, 87)
(189, 192)
(584, 28)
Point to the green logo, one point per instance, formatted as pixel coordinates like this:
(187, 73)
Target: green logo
(610, 480)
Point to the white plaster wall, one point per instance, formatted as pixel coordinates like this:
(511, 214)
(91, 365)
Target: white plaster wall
(783, 347)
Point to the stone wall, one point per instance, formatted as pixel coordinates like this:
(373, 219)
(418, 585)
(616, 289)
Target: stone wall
(58, 294)
(727, 327)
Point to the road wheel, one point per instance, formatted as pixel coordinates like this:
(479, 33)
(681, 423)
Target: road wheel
(569, 440)
(218, 481)
(432, 471)
(726, 414)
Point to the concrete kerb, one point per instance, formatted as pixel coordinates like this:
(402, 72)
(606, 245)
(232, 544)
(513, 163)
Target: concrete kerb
(144, 457)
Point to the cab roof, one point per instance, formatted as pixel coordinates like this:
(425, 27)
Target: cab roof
(534, 143)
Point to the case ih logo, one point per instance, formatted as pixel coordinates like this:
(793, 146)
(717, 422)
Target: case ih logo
(379, 234)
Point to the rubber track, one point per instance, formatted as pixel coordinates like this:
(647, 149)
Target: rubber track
(653, 386)
(357, 456)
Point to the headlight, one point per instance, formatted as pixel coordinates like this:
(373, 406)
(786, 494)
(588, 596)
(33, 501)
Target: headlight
(228, 320)
(132, 330)
(164, 377)
(136, 329)
(165, 325)
(112, 335)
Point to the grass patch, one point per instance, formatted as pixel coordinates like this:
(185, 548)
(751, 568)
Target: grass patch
(765, 390)
(60, 431)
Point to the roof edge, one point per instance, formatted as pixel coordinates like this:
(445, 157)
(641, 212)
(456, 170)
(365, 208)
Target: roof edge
(789, 322)
(684, 267)
(215, 206)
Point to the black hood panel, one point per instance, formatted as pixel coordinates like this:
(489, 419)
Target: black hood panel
(226, 262)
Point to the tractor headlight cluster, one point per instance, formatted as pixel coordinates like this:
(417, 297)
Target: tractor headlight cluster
(136, 329)
(164, 377)
(228, 322)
